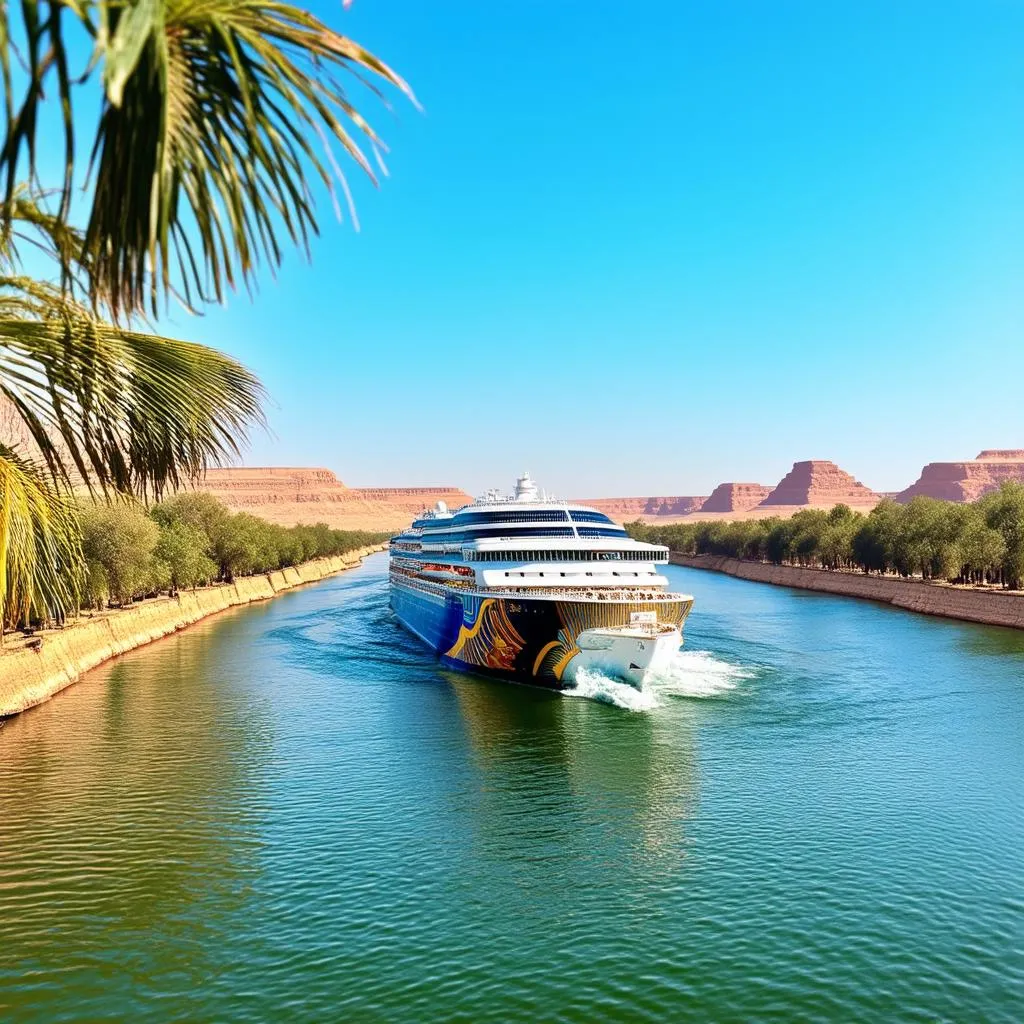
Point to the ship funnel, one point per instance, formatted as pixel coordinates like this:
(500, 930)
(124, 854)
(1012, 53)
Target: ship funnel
(526, 489)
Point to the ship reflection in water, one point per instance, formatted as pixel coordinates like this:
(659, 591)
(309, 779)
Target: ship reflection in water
(616, 789)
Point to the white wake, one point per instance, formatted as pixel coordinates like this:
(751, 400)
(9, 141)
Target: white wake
(689, 674)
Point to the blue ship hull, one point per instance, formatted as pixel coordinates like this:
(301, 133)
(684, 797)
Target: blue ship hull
(433, 618)
(524, 639)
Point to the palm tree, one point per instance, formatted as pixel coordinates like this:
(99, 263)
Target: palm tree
(93, 404)
(213, 113)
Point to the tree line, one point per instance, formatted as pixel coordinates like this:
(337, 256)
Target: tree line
(188, 541)
(980, 542)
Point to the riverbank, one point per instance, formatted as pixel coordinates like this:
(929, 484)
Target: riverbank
(988, 607)
(33, 669)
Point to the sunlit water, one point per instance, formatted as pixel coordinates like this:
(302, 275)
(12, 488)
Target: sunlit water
(290, 813)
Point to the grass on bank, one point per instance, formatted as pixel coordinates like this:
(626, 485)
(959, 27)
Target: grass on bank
(977, 543)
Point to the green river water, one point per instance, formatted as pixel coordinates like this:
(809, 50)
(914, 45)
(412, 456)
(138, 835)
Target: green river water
(289, 813)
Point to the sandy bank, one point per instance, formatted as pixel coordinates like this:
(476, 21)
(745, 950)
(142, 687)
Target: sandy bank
(32, 672)
(990, 607)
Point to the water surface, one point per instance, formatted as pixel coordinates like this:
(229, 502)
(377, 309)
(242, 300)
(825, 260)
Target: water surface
(290, 813)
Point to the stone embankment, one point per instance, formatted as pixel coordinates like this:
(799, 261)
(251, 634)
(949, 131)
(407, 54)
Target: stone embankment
(33, 669)
(990, 607)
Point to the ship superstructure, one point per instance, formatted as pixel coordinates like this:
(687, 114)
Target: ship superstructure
(534, 589)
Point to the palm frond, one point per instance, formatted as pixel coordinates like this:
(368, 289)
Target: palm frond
(30, 223)
(216, 114)
(129, 411)
(40, 547)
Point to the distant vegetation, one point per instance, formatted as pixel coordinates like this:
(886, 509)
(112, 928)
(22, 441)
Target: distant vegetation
(979, 542)
(188, 541)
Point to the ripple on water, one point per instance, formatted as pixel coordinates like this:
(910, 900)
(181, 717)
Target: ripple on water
(290, 812)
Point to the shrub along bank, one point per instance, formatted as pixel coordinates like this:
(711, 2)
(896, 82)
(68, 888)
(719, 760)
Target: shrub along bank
(192, 540)
(980, 542)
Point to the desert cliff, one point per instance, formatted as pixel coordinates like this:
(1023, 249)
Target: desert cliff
(290, 495)
(967, 480)
(732, 497)
(819, 483)
(632, 508)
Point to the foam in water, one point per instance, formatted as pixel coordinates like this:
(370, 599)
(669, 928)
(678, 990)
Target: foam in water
(689, 674)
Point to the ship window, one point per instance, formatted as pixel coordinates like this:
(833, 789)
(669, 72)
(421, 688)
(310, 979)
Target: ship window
(510, 515)
(592, 532)
(582, 516)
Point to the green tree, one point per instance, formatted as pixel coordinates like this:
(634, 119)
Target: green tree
(198, 510)
(983, 549)
(779, 537)
(120, 539)
(874, 543)
(1004, 511)
(243, 546)
(182, 548)
(835, 546)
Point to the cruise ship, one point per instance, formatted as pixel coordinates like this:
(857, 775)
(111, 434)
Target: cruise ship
(534, 590)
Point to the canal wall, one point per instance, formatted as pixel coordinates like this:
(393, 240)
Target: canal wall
(990, 607)
(33, 669)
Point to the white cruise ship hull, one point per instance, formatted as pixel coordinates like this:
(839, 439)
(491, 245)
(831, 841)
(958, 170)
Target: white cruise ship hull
(630, 654)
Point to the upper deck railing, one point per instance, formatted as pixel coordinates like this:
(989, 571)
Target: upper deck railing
(598, 594)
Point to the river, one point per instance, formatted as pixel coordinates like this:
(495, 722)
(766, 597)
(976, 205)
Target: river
(288, 812)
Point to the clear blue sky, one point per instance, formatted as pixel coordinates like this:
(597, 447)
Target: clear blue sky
(642, 247)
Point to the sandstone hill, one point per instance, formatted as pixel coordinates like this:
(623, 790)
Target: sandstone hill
(821, 484)
(967, 480)
(623, 509)
(290, 495)
(732, 497)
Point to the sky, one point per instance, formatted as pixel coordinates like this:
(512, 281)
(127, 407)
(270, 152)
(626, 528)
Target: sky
(641, 248)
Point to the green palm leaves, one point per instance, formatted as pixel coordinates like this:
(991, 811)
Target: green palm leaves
(40, 546)
(104, 407)
(213, 114)
(216, 117)
(128, 411)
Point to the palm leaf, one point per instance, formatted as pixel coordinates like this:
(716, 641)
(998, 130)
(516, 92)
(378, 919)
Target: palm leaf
(216, 114)
(129, 411)
(31, 224)
(40, 552)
